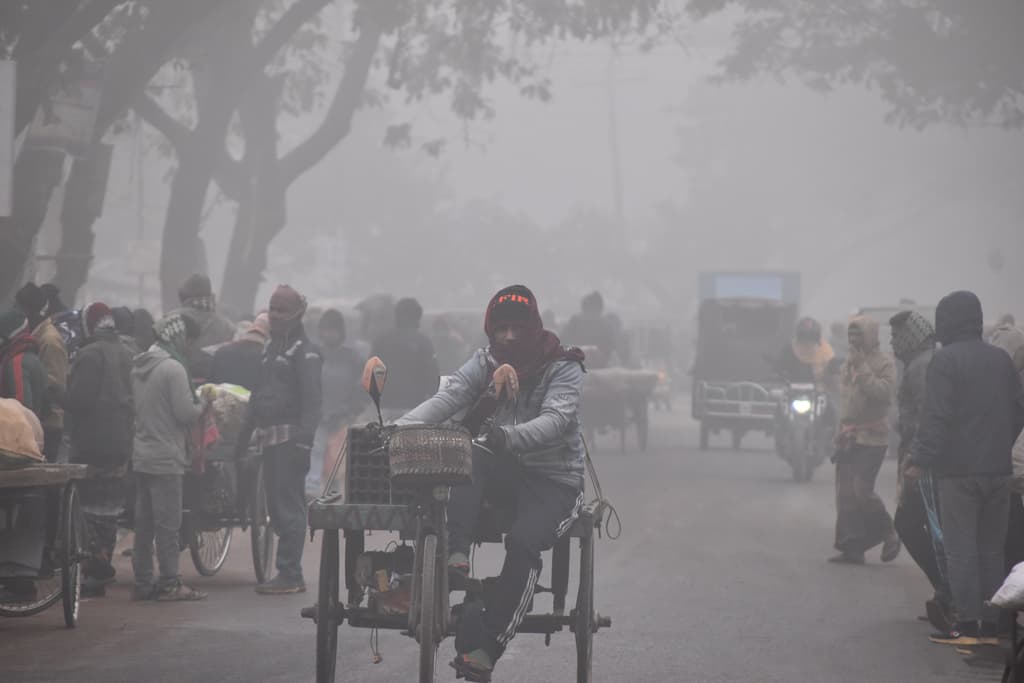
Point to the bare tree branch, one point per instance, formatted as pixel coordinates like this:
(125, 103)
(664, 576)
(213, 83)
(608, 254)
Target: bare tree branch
(171, 128)
(337, 121)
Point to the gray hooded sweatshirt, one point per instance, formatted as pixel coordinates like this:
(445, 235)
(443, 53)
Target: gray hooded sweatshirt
(542, 425)
(164, 411)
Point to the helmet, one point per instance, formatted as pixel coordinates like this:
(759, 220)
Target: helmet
(808, 331)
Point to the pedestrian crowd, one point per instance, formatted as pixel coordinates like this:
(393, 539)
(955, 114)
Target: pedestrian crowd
(130, 397)
(957, 387)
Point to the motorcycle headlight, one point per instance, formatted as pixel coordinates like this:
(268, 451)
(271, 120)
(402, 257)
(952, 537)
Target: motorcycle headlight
(801, 406)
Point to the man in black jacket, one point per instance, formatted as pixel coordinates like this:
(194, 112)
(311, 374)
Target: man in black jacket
(101, 412)
(413, 375)
(284, 411)
(973, 412)
(913, 344)
(241, 361)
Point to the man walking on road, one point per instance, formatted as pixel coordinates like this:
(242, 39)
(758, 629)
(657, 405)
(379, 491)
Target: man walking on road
(284, 412)
(866, 389)
(913, 343)
(973, 412)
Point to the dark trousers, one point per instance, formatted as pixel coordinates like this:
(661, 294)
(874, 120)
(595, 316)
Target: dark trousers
(975, 516)
(51, 443)
(286, 468)
(911, 522)
(157, 519)
(862, 521)
(544, 511)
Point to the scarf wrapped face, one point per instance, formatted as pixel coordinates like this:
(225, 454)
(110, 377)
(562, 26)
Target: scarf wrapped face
(534, 347)
(910, 333)
(287, 307)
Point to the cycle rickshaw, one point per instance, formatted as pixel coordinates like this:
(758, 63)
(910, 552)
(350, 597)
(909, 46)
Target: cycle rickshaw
(40, 540)
(401, 483)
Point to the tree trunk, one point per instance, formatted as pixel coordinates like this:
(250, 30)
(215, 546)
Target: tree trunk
(36, 174)
(182, 251)
(83, 204)
(261, 208)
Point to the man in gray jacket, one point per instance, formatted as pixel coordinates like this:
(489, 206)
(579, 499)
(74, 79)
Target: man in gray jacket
(523, 392)
(165, 408)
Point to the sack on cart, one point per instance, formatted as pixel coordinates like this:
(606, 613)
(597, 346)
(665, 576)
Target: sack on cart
(21, 436)
(228, 405)
(1011, 594)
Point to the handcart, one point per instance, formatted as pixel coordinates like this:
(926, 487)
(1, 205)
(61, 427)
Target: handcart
(40, 540)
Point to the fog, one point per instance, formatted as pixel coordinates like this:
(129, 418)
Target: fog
(756, 175)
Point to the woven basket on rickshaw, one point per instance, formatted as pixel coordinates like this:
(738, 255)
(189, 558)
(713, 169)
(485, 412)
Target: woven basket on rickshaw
(440, 455)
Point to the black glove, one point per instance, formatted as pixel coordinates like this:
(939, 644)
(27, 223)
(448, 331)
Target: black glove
(497, 441)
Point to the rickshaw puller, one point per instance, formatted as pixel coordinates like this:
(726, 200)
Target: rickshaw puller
(536, 468)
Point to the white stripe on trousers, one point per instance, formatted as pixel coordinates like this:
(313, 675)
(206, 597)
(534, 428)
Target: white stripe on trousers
(531, 579)
(520, 613)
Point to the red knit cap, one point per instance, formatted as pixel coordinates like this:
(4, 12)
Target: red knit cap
(93, 316)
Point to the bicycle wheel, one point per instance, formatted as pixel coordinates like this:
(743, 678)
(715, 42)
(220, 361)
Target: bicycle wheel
(260, 531)
(327, 605)
(209, 549)
(71, 578)
(428, 630)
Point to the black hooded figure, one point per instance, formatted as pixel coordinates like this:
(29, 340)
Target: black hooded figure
(973, 412)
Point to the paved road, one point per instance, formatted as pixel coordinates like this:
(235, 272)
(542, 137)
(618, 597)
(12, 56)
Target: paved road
(719, 575)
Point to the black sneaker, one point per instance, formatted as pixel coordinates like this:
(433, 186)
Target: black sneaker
(281, 585)
(961, 635)
(141, 592)
(938, 615)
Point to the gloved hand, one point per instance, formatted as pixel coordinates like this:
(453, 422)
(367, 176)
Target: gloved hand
(497, 441)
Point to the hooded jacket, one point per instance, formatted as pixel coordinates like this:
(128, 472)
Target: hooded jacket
(974, 403)
(541, 426)
(866, 388)
(101, 411)
(164, 411)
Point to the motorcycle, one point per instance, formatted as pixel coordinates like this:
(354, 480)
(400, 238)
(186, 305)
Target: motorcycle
(804, 429)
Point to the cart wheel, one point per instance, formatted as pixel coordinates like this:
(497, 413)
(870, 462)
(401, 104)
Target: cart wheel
(327, 608)
(209, 549)
(260, 531)
(584, 614)
(70, 574)
(1014, 671)
(705, 436)
(40, 593)
(428, 626)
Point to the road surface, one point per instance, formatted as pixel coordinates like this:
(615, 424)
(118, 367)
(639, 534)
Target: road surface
(719, 576)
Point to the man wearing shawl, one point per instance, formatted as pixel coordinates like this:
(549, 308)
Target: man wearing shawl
(529, 386)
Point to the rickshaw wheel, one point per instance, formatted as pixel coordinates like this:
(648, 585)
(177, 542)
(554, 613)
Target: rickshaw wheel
(209, 549)
(428, 629)
(48, 593)
(261, 534)
(584, 613)
(327, 607)
(70, 575)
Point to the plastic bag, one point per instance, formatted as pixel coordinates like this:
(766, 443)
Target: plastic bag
(1011, 594)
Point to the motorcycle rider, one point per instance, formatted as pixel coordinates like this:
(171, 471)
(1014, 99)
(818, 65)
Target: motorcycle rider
(805, 359)
(536, 465)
